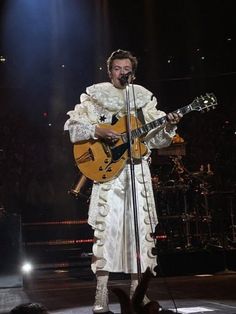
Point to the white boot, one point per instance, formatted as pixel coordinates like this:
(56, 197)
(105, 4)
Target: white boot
(101, 297)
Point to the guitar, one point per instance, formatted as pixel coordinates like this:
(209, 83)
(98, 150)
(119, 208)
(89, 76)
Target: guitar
(101, 161)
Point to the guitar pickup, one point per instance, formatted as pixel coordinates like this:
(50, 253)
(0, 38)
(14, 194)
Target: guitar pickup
(106, 149)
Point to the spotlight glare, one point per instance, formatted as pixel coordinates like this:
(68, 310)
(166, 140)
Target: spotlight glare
(27, 268)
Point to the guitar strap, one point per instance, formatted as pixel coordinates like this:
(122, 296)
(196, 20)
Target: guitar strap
(114, 119)
(140, 116)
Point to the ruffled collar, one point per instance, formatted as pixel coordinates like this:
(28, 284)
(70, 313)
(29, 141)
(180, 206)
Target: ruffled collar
(113, 99)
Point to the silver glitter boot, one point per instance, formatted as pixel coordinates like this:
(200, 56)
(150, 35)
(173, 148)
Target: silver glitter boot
(101, 297)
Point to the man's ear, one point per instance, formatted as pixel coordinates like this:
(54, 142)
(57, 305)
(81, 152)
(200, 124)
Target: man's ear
(109, 74)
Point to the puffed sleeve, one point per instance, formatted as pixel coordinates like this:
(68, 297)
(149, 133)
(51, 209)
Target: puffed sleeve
(158, 137)
(82, 120)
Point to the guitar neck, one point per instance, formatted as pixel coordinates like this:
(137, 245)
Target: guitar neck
(199, 104)
(159, 122)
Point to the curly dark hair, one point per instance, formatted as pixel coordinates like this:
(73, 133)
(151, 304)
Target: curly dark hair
(122, 54)
(29, 308)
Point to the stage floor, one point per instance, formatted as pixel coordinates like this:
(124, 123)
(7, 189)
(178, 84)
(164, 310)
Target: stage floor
(70, 292)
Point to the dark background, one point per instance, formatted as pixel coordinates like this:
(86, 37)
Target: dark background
(51, 50)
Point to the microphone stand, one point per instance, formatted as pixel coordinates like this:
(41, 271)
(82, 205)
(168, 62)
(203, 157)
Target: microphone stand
(125, 82)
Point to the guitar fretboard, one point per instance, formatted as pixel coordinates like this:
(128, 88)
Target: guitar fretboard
(154, 124)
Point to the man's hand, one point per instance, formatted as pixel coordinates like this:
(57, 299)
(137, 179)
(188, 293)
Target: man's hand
(172, 119)
(106, 134)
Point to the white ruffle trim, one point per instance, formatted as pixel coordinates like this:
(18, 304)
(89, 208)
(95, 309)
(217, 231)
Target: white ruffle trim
(149, 212)
(99, 261)
(113, 99)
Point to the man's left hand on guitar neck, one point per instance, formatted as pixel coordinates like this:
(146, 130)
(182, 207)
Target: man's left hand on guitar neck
(172, 119)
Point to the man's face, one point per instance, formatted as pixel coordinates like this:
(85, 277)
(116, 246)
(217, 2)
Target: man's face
(119, 68)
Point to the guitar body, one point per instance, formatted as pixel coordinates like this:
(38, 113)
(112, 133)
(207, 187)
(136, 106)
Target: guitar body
(100, 161)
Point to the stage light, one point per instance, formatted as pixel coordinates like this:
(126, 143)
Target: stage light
(3, 59)
(27, 268)
(204, 275)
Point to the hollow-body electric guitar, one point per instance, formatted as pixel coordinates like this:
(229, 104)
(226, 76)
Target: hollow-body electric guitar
(101, 161)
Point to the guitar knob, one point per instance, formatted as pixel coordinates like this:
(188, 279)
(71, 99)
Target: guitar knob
(100, 168)
(109, 169)
(106, 161)
(104, 176)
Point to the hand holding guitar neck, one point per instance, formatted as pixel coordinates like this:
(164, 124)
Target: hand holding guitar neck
(172, 119)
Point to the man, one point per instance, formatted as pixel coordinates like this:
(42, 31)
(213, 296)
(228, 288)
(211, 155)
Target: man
(111, 210)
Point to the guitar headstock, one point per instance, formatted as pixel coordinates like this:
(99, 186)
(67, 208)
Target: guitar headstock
(204, 102)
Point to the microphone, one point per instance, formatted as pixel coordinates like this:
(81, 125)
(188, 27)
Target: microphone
(124, 79)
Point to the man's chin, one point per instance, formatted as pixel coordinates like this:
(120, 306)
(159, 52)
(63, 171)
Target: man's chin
(118, 85)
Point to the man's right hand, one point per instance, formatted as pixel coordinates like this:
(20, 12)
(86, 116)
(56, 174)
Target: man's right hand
(106, 134)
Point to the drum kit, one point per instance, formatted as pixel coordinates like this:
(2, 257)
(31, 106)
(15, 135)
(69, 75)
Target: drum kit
(191, 214)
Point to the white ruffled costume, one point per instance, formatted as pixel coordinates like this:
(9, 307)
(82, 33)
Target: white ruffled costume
(110, 210)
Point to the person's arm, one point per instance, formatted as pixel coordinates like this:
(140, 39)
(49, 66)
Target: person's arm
(81, 125)
(161, 136)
